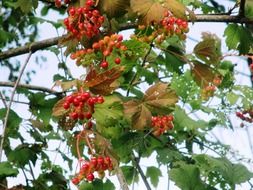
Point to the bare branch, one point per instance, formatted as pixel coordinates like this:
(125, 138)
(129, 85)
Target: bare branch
(30, 47)
(10, 103)
(30, 87)
(54, 41)
(121, 178)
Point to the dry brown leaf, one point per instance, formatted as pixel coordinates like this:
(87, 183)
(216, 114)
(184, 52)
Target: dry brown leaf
(103, 83)
(158, 99)
(203, 74)
(151, 10)
(113, 8)
(58, 109)
(160, 96)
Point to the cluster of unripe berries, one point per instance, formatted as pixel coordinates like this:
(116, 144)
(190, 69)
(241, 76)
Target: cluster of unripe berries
(81, 105)
(84, 21)
(59, 3)
(167, 27)
(105, 46)
(161, 124)
(96, 164)
(246, 115)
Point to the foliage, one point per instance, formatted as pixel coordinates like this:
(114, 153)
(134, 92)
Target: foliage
(137, 98)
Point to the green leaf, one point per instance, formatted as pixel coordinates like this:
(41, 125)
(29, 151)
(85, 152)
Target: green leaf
(186, 88)
(165, 156)
(187, 177)
(249, 9)
(232, 173)
(130, 173)
(153, 173)
(13, 123)
(7, 170)
(183, 121)
(25, 5)
(97, 184)
(238, 37)
(108, 113)
(232, 98)
(24, 153)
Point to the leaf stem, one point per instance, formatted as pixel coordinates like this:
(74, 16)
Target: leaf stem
(10, 103)
(142, 65)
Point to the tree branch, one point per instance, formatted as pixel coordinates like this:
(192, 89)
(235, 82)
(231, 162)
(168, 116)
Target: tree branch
(136, 163)
(54, 41)
(30, 47)
(30, 87)
(10, 103)
(242, 8)
(121, 178)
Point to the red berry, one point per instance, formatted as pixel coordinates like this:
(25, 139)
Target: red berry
(100, 99)
(100, 160)
(74, 115)
(88, 115)
(120, 38)
(94, 162)
(106, 53)
(85, 167)
(72, 11)
(81, 116)
(75, 181)
(170, 118)
(69, 99)
(76, 102)
(66, 105)
(90, 177)
(104, 64)
(117, 60)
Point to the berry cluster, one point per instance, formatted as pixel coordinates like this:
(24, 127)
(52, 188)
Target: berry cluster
(97, 164)
(173, 25)
(81, 105)
(106, 46)
(209, 90)
(246, 115)
(168, 26)
(161, 124)
(59, 3)
(84, 21)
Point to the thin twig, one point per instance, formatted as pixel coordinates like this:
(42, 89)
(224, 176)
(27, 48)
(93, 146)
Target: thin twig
(31, 170)
(10, 103)
(15, 101)
(30, 87)
(136, 163)
(3, 100)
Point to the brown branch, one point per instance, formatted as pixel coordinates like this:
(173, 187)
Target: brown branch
(242, 8)
(121, 178)
(30, 47)
(30, 87)
(54, 41)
